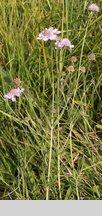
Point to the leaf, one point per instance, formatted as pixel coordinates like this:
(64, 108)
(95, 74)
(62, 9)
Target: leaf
(99, 126)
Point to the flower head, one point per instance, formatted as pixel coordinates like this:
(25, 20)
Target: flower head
(13, 94)
(82, 69)
(49, 34)
(70, 68)
(92, 57)
(17, 82)
(93, 7)
(73, 59)
(63, 43)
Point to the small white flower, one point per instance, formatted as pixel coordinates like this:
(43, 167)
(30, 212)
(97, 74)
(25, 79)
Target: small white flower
(48, 34)
(13, 94)
(63, 43)
(93, 7)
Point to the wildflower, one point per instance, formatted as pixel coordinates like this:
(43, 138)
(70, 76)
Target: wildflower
(93, 7)
(17, 82)
(63, 43)
(49, 34)
(92, 57)
(83, 69)
(13, 94)
(73, 59)
(70, 68)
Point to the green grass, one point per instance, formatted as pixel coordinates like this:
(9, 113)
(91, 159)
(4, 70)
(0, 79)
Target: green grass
(51, 138)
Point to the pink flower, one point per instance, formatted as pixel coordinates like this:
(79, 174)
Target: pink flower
(13, 94)
(93, 7)
(63, 43)
(49, 34)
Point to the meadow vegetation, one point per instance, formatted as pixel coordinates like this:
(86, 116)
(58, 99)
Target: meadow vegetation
(51, 137)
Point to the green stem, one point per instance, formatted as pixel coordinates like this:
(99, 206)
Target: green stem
(51, 134)
(47, 74)
(59, 69)
(72, 161)
(81, 55)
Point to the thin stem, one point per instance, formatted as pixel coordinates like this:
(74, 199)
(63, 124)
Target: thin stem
(58, 141)
(47, 75)
(50, 156)
(59, 74)
(58, 123)
(81, 55)
(48, 2)
(67, 12)
(71, 149)
(72, 161)
(51, 134)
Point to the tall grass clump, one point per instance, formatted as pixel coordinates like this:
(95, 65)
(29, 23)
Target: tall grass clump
(51, 134)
